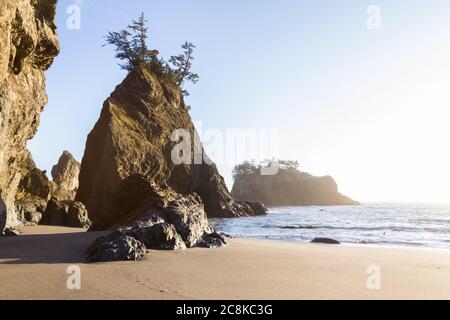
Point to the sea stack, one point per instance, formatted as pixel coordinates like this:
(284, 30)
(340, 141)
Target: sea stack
(131, 145)
(28, 47)
(65, 177)
(289, 187)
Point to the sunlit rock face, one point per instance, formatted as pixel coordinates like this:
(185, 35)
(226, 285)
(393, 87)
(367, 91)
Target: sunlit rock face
(133, 137)
(65, 177)
(28, 46)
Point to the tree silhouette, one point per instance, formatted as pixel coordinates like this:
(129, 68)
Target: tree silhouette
(133, 52)
(183, 66)
(131, 45)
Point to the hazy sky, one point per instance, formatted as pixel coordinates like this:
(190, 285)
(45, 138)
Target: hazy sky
(369, 107)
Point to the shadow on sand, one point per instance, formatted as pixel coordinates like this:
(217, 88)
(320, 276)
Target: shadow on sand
(46, 248)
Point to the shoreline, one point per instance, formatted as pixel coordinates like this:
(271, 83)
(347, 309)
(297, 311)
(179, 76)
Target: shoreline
(34, 266)
(370, 226)
(349, 245)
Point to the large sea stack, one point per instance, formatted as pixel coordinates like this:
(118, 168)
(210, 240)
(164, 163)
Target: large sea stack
(289, 187)
(28, 47)
(131, 144)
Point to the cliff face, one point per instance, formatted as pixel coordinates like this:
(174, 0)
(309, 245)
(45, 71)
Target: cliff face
(33, 192)
(133, 137)
(289, 188)
(28, 47)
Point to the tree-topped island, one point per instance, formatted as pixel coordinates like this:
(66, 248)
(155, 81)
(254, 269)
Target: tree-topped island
(288, 187)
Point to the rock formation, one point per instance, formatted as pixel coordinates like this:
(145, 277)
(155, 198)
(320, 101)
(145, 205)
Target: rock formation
(116, 247)
(325, 241)
(33, 193)
(62, 210)
(55, 214)
(289, 188)
(10, 232)
(65, 177)
(40, 201)
(66, 213)
(28, 47)
(77, 216)
(161, 219)
(133, 137)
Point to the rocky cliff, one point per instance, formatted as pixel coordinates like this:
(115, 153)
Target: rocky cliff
(289, 188)
(33, 192)
(134, 137)
(41, 201)
(28, 47)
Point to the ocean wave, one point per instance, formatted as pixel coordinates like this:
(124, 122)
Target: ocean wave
(360, 228)
(298, 227)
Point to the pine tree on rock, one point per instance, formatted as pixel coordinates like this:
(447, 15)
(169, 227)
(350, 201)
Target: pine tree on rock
(183, 66)
(131, 45)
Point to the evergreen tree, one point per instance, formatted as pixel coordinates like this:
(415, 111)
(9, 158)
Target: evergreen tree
(131, 45)
(133, 52)
(183, 66)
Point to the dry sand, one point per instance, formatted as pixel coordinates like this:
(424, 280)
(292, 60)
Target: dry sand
(34, 265)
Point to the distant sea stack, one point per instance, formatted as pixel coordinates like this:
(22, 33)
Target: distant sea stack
(28, 47)
(131, 145)
(289, 187)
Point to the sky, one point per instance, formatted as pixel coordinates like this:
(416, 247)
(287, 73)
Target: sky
(350, 92)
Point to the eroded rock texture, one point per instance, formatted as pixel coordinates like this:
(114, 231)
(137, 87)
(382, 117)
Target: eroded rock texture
(133, 137)
(115, 247)
(28, 47)
(33, 193)
(66, 213)
(161, 220)
(65, 177)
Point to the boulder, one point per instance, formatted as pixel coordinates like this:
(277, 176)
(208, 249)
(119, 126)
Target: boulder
(160, 236)
(135, 136)
(211, 240)
(65, 177)
(28, 47)
(115, 247)
(10, 232)
(77, 216)
(164, 220)
(56, 213)
(325, 240)
(66, 213)
(32, 218)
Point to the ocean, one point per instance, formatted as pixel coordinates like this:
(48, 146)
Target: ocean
(371, 224)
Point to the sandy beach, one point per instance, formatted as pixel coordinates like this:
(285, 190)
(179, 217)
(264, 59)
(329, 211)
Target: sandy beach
(34, 266)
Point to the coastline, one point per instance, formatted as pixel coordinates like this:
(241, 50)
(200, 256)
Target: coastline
(34, 266)
(377, 225)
